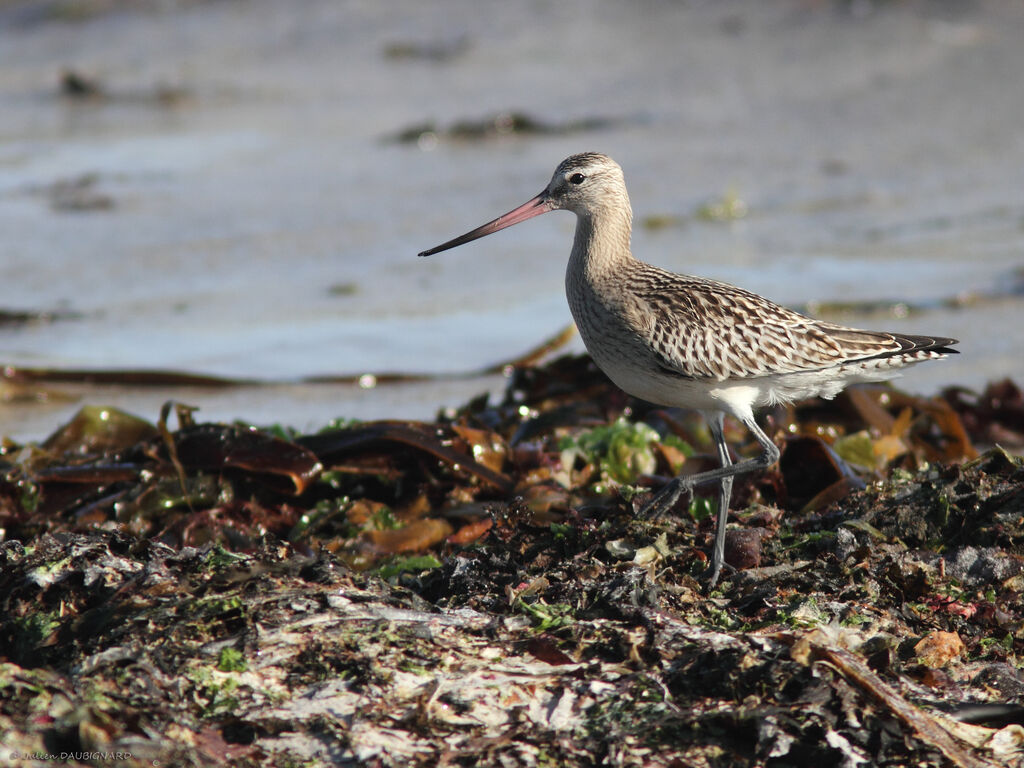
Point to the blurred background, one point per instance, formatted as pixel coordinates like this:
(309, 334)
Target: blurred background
(239, 188)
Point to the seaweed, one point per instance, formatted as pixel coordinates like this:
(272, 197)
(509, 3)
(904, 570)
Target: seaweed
(480, 590)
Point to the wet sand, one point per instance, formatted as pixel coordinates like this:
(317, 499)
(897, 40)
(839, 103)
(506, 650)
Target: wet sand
(240, 189)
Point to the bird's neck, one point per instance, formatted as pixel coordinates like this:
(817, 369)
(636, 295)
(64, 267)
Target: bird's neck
(601, 244)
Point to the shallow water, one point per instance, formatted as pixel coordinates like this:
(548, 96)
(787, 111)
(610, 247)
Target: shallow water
(244, 209)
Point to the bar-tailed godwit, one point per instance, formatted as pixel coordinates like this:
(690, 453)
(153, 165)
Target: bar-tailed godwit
(688, 342)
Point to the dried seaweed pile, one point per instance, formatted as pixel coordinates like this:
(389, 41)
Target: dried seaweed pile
(481, 591)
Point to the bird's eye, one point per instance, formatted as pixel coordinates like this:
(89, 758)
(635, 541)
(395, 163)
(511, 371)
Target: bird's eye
(577, 178)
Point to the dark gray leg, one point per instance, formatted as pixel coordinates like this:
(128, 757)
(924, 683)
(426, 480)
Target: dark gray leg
(666, 498)
(715, 424)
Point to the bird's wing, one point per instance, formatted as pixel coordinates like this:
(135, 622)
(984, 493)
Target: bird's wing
(708, 330)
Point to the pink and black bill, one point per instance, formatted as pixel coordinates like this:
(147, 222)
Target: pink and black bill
(535, 207)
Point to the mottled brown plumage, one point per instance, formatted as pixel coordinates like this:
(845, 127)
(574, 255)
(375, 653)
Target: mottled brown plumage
(694, 343)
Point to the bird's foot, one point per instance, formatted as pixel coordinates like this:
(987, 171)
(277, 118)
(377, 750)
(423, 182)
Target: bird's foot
(713, 572)
(666, 498)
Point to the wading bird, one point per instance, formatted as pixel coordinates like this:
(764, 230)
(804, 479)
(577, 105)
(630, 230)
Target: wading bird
(688, 342)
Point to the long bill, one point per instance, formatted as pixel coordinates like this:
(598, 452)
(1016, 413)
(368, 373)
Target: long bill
(535, 207)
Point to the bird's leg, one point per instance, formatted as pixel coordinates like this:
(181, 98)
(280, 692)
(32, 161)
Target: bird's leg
(716, 425)
(669, 495)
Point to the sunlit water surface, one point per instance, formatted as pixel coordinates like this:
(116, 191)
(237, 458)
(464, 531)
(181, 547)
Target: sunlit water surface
(237, 203)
